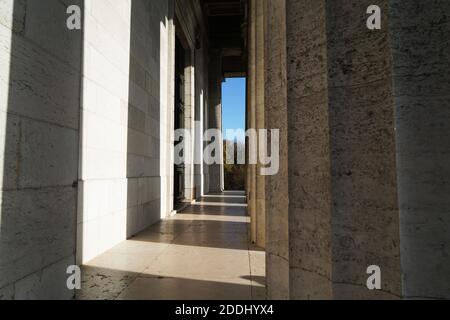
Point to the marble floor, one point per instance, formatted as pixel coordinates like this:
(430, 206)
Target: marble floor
(204, 252)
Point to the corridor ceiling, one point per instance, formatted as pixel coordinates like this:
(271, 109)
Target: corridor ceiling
(226, 23)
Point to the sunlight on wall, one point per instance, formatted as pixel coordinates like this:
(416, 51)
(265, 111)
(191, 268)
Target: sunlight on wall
(167, 57)
(127, 143)
(200, 143)
(102, 220)
(6, 25)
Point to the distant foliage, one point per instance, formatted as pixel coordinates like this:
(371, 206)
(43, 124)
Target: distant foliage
(234, 177)
(234, 173)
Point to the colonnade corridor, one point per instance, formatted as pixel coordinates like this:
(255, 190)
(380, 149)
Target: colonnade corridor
(203, 252)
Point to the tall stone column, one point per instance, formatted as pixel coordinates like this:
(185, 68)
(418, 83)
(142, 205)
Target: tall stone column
(298, 198)
(364, 151)
(216, 183)
(251, 120)
(309, 151)
(260, 193)
(189, 124)
(276, 117)
(421, 92)
(332, 210)
(365, 213)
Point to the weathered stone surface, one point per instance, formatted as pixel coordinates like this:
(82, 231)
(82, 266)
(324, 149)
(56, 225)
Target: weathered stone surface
(215, 115)
(365, 214)
(37, 229)
(276, 117)
(343, 211)
(47, 27)
(260, 193)
(103, 284)
(48, 284)
(419, 37)
(7, 293)
(251, 120)
(40, 62)
(309, 161)
(52, 96)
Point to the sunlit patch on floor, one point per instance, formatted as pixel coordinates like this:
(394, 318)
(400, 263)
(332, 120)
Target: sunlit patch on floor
(204, 252)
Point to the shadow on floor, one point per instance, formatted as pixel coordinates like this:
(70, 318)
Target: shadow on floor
(201, 253)
(215, 210)
(108, 284)
(203, 225)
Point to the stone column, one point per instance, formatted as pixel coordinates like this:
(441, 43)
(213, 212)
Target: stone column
(260, 194)
(332, 210)
(421, 91)
(309, 151)
(216, 184)
(189, 124)
(276, 117)
(251, 121)
(365, 213)
(298, 205)
(364, 151)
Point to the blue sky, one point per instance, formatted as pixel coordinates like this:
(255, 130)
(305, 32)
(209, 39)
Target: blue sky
(233, 105)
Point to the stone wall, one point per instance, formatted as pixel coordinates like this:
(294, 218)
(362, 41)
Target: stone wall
(128, 120)
(94, 112)
(190, 28)
(40, 71)
(120, 188)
